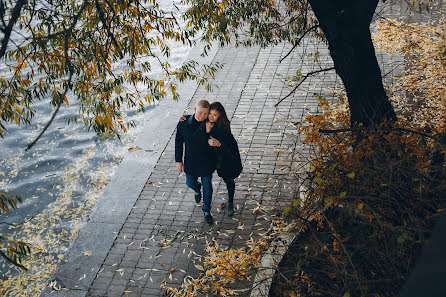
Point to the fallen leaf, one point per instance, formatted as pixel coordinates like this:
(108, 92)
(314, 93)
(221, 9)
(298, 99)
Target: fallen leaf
(134, 148)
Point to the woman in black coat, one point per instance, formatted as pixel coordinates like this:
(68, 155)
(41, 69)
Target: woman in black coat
(229, 165)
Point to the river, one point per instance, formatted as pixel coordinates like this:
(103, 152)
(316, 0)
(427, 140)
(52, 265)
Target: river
(59, 179)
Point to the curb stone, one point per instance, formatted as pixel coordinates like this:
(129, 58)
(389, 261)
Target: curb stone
(271, 260)
(265, 274)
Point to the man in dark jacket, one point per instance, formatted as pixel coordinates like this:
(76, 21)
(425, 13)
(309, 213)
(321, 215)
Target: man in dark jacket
(199, 157)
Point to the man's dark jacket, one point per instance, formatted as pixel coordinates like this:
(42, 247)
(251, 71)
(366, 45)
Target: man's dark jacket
(229, 164)
(199, 157)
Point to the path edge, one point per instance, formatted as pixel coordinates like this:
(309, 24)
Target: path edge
(272, 258)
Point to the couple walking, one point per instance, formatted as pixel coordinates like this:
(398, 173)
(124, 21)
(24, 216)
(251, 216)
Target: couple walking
(206, 143)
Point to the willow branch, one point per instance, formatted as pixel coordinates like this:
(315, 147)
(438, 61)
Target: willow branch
(109, 33)
(303, 79)
(70, 75)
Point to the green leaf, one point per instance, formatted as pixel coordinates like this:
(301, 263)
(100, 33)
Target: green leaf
(244, 264)
(351, 175)
(328, 201)
(343, 194)
(401, 239)
(297, 202)
(347, 295)
(360, 206)
(318, 180)
(286, 210)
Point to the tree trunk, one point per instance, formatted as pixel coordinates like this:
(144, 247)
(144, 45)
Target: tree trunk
(345, 24)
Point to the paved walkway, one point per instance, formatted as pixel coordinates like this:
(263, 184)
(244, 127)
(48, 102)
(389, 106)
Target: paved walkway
(252, 81)
(249, 85)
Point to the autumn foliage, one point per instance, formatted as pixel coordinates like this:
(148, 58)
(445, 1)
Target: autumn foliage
(373, 194)
(372, 200)
(222, 267)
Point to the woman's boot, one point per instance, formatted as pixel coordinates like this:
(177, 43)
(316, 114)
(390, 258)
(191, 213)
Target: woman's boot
(230, 185)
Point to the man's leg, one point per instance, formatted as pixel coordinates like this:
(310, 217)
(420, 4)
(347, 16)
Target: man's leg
(207, 198)
(192, 182)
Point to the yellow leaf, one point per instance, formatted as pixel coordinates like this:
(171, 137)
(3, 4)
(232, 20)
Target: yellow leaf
(66, 101)
(351, 175)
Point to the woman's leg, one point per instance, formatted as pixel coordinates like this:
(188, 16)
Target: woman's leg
(230, 185)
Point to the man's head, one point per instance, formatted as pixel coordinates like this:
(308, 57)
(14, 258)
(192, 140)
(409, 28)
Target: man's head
(202, 110)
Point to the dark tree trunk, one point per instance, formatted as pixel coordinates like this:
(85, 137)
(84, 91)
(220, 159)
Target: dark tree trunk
(346, 25)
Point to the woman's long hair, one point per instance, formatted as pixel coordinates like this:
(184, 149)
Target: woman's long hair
(222, 121)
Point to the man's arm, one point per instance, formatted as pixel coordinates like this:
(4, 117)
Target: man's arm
(179, 147)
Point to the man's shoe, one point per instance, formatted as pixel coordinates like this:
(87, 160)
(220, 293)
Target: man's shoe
(198, 197)
(208, 218)
(230, 211)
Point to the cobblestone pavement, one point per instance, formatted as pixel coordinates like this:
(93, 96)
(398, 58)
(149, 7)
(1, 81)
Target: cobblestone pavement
(252, 81)
(249, 85)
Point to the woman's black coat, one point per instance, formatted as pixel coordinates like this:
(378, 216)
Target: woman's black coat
(229, 164)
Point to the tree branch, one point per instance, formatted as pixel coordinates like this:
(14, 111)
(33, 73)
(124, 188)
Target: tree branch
(14, 16)
(356, 129)
(70, 75)
(298, 41)
(109, 33)
(303, 79)
(12, 262)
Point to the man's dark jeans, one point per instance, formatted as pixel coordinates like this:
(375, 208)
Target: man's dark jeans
(206, 181)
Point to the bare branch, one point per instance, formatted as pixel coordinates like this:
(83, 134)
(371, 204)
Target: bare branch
(356, 129)
(298, 42)
(303, 79)
(14, 16)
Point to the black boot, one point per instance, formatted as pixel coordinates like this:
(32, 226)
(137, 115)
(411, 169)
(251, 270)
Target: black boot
(230, 185)
(230, 211)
